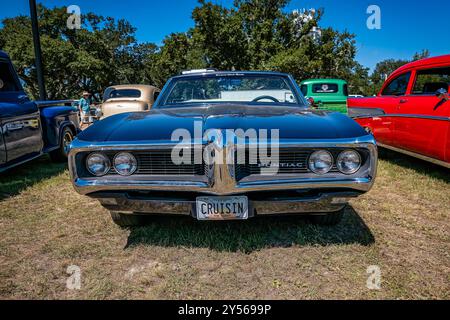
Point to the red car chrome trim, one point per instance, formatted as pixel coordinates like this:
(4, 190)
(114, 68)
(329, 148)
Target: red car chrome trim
(415, 155)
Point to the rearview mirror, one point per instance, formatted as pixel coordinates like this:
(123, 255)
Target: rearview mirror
(442, 94)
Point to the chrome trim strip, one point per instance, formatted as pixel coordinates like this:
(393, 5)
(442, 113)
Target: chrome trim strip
(357, 115)
(320, 205)
(55, 103)
(416, 155)
(8, 166)
(419, 116)
(80, 145)
(359, 112)
(84, 186)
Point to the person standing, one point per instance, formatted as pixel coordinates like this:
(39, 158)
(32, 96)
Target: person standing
(85, 108)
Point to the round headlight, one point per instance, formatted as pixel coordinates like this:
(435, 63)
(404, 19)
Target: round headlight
(98, 164)
(125, 163)
(348, 162)
(320, 162)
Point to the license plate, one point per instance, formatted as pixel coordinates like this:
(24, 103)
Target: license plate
(222, 208)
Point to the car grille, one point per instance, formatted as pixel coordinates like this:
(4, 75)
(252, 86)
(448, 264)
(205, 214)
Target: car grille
(159, 162)
(291, 161)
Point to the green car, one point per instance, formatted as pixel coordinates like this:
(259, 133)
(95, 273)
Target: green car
(328, 94)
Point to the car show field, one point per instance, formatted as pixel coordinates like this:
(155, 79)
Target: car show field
(224, 158)
(400, 226)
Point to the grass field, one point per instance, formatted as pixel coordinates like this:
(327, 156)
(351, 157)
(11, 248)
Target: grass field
(402, 226)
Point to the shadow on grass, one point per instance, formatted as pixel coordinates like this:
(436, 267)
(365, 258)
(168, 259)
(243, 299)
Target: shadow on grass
(251, 235)
(13, 181)
(421, 166)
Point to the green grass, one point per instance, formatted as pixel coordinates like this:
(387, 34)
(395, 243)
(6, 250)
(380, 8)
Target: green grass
(401, 225)
(14, 181)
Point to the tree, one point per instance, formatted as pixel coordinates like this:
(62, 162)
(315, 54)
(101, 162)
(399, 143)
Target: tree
(219, 37)
(249, 35)
(103, 52)
(260, 35)
(360, 82)
(259, 21)
(178, 53)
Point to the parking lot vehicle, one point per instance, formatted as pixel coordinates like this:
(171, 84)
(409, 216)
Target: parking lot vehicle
(127, 98)
(411, 113)
(131, 162)
(29, 129)
(326, 94)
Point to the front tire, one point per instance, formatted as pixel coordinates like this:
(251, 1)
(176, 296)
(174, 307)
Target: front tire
(60, 154)
(328, 219)
(125, 220)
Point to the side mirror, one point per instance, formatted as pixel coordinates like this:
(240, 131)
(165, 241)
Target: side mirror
(442, 94)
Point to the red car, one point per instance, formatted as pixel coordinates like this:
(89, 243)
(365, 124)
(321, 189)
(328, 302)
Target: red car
(411, 114)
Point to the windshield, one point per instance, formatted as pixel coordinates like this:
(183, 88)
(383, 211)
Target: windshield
(124, 93)
(258, 89)
(325, 88)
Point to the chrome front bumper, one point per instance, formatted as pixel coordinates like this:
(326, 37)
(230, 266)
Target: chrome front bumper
(220, 181)
(330, 202)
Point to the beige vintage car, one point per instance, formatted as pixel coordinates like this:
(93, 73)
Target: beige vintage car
(127, 98)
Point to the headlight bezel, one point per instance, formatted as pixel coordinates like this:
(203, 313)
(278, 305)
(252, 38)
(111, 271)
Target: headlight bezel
(315, 153)
(105, 158)
(339, 165)
(134, 161)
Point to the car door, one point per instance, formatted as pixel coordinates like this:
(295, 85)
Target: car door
(19, 117)
(388, 101)
(423, 118)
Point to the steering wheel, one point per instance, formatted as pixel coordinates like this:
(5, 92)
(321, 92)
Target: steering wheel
(265, 97)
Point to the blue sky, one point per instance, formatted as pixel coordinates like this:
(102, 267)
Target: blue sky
(407, 26)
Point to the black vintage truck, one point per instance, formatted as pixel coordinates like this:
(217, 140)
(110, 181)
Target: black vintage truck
(29, 129)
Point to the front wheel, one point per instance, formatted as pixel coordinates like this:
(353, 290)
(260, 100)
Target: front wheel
(328, 219)
(60, 154)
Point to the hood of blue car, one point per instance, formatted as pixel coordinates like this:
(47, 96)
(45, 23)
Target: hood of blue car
(159, 124)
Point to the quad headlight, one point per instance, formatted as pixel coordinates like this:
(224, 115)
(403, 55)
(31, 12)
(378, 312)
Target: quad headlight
(125, 163)
(348, 162)
(98, 164)
(320, 161)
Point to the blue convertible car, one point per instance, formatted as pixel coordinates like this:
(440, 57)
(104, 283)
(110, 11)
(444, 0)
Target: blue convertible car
(29, 129)
(225, 145)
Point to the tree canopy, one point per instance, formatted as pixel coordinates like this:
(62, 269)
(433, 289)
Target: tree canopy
(103, 52)
(250, 35)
